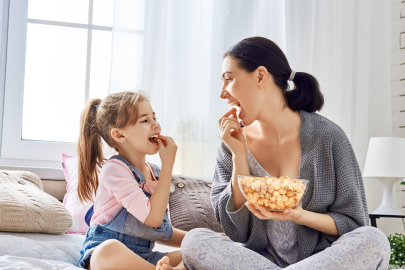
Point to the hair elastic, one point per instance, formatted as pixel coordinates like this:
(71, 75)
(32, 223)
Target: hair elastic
(292, 75)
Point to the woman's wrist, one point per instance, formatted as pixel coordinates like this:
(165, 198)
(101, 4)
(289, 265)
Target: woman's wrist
(301, 218)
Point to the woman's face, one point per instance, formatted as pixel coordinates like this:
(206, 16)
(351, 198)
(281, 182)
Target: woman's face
(239, 90)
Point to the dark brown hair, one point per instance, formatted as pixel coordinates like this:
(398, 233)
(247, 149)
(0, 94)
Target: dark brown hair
(254, 52)
(97, 119)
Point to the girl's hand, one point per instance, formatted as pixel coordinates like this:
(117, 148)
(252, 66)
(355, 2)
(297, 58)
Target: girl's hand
(289, 214)
(167, 150)
(231, 134)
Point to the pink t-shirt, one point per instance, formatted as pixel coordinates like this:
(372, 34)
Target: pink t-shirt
(118, 188)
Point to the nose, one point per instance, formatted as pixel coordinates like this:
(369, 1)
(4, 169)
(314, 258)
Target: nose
(156, 124)
(223, 94)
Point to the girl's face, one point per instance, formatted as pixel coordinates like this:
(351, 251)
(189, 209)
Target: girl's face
(137, 137)
(239, 89)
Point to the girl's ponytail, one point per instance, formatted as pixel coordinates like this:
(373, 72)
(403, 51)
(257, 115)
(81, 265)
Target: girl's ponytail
(306, 94)
(90, 152)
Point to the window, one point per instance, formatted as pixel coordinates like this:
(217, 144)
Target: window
(58, 57)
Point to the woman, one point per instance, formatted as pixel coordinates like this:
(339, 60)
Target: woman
(283, 136)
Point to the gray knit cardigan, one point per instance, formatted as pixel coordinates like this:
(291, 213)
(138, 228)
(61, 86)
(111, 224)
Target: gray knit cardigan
(335, 188)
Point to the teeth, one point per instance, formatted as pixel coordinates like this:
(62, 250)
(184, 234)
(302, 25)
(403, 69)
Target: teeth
(154, 136)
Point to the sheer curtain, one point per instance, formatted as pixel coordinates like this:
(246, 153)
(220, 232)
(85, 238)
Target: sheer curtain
(177, 60)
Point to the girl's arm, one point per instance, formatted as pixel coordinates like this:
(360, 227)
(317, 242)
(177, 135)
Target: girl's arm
(160, 196)
(176, 239)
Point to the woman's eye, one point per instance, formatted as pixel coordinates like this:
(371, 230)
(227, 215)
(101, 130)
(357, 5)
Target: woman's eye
(155, 118)
(228, 79)
(144, 121)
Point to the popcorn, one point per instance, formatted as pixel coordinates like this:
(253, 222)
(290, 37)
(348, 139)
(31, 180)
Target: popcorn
(275, 194)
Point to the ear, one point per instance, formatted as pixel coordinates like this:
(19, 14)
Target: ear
(117, 135)
(262, 75)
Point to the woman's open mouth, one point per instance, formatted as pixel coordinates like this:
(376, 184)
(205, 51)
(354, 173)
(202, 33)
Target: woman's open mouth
(238, 108)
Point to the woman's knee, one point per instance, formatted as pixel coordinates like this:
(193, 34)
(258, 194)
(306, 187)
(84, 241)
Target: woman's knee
(374, 237)
(196, 236)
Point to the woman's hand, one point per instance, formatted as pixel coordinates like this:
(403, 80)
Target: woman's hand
(167, 150)
(231, 134)
(289, 214)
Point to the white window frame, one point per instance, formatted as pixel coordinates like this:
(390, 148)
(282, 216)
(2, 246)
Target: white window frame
(40, 157)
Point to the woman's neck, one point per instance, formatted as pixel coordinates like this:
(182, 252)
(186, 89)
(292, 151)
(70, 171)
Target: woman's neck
(277, 121)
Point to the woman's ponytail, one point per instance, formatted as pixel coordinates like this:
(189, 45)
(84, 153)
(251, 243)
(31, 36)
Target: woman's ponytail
(254, 52)
(90, 152)
(306, 94)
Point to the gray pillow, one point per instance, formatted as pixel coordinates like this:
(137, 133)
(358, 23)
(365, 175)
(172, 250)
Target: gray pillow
(190, 206)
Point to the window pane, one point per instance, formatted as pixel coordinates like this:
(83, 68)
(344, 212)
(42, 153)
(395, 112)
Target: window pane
(103, 12)
(73, 11)
(130, 15)
(55, 70)
(127, 56)
(100, 64)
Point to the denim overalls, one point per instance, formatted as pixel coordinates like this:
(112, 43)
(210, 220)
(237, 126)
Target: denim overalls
(124, 227)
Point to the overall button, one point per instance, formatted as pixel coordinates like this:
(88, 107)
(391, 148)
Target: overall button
(99, 230)
(180, 185)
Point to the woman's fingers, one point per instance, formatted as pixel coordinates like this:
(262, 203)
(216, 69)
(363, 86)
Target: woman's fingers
(227, 114)
(228, 127)
(255, 211)
(262, 213)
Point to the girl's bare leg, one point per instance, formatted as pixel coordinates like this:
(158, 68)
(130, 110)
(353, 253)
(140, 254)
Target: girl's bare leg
(112, 254)
(172, 261)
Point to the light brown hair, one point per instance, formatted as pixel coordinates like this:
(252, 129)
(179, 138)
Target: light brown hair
(97, 119)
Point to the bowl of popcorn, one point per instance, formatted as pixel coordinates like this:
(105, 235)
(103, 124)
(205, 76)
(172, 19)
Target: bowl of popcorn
(272, 193)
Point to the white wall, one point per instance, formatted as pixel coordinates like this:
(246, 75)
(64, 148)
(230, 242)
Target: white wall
(2, 60)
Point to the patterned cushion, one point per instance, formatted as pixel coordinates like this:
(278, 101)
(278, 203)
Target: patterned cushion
(25, 207)
(190, 206)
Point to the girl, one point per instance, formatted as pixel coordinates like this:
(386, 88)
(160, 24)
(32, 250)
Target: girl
(283, 136)
(130, 205)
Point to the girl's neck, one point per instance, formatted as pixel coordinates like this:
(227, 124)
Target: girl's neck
(138, 161)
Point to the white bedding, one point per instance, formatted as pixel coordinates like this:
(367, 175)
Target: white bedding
(43, 251)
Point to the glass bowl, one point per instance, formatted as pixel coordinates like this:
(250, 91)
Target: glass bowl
(274, 194)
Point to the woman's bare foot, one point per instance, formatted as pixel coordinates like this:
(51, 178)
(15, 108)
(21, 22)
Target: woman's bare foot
(164, 264)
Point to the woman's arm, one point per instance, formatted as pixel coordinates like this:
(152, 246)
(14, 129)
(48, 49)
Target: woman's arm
(236, 223)
(320, 222)
(240, 167)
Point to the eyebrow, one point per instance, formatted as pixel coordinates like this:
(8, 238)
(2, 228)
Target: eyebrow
(145, 114)
(223, 74)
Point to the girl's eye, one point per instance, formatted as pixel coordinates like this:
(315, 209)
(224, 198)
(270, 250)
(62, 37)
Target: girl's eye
(228, 79)
(155, 118)
(144, 121)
